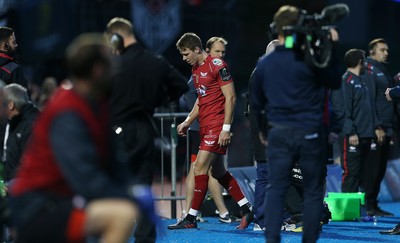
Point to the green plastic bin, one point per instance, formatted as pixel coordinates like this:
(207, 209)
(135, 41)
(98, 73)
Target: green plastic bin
(344, 209)
(359, 195)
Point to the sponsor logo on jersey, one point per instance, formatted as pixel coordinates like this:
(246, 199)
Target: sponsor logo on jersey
(225, 75)
(217, 62)
(352, 149)
(209, 143)
(373, 146)
(201, 90)
(203, 75)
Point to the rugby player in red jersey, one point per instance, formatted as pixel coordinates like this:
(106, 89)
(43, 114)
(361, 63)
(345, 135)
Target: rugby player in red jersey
(214, 110)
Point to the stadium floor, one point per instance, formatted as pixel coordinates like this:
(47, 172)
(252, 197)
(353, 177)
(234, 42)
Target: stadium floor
(214, 231)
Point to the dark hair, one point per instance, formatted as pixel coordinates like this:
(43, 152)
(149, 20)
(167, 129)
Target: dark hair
(119, 25)
(5, 33)
(84, 52)
(286, 15)
(214, 39)
(189, 41)
(375, 42)
(353, 57)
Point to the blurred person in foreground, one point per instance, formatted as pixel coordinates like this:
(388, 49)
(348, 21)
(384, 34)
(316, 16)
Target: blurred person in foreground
(142, 82)
(214, 108)
(215, 47)
(69, 185)
(292, 93)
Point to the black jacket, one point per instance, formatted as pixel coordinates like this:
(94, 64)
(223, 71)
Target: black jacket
(359, 114)
(291, 91)
(337, 112)
(378, 80)
(143, 81)
(20, 128)
(10, 71)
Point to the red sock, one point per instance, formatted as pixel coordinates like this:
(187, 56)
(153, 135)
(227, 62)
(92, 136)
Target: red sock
(230, 184)
(200, 190)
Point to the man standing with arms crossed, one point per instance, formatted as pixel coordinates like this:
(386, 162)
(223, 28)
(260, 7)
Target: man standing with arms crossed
(214, 109)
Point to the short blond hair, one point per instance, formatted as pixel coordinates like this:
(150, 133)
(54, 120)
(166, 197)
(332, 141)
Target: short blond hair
(214, 39)
(119, 25)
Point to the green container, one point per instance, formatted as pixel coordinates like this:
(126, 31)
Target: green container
(344, 209)
(359, 195)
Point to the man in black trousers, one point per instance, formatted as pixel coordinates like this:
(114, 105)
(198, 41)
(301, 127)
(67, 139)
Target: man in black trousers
(143, 81)
(292, 93)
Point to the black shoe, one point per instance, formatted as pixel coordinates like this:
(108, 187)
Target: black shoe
(326, 215)
(379, 213)
(184, 224)
(229, 218)
(394, 231)
(294, 219)
(246, 220)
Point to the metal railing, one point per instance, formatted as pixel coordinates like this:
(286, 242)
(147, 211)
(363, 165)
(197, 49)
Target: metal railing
(174, 143)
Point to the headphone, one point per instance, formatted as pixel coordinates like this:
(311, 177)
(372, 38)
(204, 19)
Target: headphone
(117, 42)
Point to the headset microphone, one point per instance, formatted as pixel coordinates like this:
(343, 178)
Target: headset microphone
(117, 42)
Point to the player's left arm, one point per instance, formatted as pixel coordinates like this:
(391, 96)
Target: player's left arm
(228, 91)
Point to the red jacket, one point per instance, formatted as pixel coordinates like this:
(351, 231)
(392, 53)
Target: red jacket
(39, 169)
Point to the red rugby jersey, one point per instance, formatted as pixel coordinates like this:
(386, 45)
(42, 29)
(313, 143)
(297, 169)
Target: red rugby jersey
(208, 79)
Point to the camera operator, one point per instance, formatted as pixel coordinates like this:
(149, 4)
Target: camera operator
(292, 92)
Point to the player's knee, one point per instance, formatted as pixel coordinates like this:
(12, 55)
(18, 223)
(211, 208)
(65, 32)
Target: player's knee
(126, 211)
(199, 169)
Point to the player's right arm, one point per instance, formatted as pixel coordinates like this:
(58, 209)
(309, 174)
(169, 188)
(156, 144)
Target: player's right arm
(183, 127)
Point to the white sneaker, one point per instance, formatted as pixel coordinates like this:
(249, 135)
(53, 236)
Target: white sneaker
(258, 228)
(288, 227)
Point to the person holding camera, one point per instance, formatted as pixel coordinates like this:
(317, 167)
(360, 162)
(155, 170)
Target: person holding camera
(292, 92)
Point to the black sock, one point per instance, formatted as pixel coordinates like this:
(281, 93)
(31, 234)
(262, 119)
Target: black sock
(247, 208)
